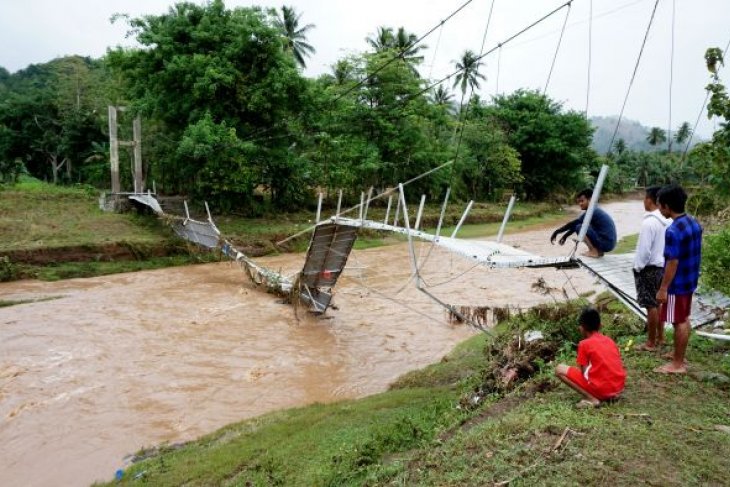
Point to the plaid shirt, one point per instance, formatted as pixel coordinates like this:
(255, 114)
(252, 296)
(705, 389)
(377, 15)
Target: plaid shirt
(683, 241)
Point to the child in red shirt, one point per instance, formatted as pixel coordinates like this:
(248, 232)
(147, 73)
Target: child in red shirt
(601, 376)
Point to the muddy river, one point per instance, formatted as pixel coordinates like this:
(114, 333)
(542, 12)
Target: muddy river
(108, 365)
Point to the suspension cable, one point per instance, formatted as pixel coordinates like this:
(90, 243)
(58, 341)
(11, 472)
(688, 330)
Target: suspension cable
(671, 76)
(435, 50)
(590, 54)
(633, 76)
(399, 55)
(463, 113)
(499, 62)
(557, 49)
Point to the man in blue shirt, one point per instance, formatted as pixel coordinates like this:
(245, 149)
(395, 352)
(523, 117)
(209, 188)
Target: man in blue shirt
(682, 256)
(601, 235)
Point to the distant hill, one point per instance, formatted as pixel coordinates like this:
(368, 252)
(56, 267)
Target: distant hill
(633, 133)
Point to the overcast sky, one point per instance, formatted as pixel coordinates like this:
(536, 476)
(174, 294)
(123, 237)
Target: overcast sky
(34, 31)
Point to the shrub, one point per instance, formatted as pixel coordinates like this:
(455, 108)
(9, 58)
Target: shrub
(716, 260)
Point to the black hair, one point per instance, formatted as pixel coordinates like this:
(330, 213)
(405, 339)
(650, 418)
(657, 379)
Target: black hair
(673, 197)
(588, 193)
(590, 319)
(652, 192)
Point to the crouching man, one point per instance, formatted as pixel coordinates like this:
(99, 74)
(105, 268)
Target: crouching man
(601, 375)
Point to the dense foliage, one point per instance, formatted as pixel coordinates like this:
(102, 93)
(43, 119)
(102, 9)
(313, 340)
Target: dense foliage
(228, 117)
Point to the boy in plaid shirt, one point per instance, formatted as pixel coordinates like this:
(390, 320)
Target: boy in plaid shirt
(682, 256)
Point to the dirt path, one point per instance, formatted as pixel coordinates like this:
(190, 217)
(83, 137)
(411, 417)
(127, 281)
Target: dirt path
(121, 362)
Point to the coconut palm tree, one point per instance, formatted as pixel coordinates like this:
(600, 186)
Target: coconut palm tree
(382, 40)
(294, 37)
(656, 136)
(620, 146)
(441, 97)
(469, 74)
(683, 133)
(400, 41)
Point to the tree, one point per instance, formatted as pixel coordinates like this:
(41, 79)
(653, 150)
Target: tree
(683, 133)
(401, 42)
(49, 115)
(204, 68)
(469, 75)
(554, 144)
(656, 136)
(620, 146)
(294, 36)
(442, 98)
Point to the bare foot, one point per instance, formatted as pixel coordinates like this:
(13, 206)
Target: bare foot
(670, 368)
(645, 347)
(593, 253)
(586, 404)
(670, 356)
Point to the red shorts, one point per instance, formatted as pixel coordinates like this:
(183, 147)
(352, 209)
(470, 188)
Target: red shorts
(677, 308)
(577, 378)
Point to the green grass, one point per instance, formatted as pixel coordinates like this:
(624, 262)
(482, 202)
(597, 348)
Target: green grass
(626, 244)
(36, 215)
(57, 232)
(422, 432)
(70, 270)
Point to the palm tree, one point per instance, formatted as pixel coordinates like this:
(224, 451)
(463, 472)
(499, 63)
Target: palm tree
(683, 133)
(469, 75)
(656, 136)
(382, 40)
(441, 97)
(620, 146)
(294, 37)
(401, 41)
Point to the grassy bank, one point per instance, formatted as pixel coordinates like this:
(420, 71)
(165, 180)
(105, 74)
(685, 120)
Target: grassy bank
(55, 232)
(452, 423)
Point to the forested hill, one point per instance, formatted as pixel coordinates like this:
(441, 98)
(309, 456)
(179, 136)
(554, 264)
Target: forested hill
(633, 133)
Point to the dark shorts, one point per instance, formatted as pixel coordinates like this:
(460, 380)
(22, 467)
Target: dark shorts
(677, 308)
(600, 243)
(648, 281)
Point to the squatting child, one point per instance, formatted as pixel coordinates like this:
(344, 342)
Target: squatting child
(600, 375)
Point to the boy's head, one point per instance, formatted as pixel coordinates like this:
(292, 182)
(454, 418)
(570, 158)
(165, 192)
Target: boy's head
(589, 321)
(584, 198)
(650, 198)
(671, 200)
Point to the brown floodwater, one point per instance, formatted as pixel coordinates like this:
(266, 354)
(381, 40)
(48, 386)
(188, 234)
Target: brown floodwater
(111, 364)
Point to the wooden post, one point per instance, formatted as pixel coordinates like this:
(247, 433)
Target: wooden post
(137, 136)
(114, 148)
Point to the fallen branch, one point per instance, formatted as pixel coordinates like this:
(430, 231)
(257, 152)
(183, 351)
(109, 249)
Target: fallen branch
(519, 474)
(561, 439)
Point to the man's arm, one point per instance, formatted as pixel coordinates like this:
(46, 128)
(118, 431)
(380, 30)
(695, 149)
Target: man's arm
(570, 226)
(670, 269)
